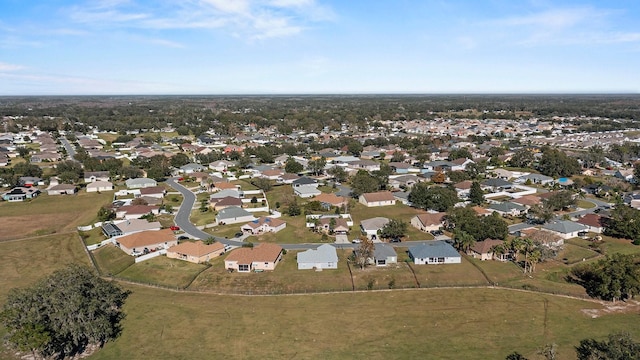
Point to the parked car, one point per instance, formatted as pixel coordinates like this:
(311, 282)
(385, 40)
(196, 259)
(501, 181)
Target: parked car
(436, 232)
(395, 240)
(238, 234)
(356, 241)
(175, 228)
(182, 237)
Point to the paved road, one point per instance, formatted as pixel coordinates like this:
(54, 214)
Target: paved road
(183, 214)
(71, 151)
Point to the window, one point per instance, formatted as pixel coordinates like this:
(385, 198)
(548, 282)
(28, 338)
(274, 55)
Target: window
(243, 267)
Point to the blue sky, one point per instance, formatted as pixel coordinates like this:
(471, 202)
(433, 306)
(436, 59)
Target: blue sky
(70, 47)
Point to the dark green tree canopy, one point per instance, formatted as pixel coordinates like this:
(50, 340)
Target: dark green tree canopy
(292, 166)
(618, 346)
(394, 229)
(617, 277)
(64, 313)
(624, 223)
(433, 197)
(363, 182)
(556, 163)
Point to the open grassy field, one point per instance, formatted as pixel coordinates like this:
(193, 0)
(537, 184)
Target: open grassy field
(163, 271)
(49, 214)
(22, 262)
(443, 323)
(112, 260)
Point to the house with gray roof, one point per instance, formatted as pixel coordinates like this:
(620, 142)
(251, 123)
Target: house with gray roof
(370, 227)
(384, 254)
(323, 257)
(233, 215)
(191, 168)
(507, 209)
(496, 184)
(434, 252)
(565, 229)
(534, 179)
(139, 183)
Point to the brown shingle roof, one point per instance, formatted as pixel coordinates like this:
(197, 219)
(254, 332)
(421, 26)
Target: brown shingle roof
(197, 248)
(378, 196)
(592, 220)
(431, 219)
(146, 238)
(484, 247)
(330, 199)
(264, 252)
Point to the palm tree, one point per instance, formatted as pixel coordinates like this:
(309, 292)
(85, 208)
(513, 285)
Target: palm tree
(463, 241)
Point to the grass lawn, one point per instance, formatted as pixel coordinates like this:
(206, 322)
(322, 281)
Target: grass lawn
(25, 261)
(572, 254)
(446, 274)
(199, 218)
(112, 260)
(93, 236)
(286, 278)
(584, 204)
(163, 271)
(444, 323)
(49, 214)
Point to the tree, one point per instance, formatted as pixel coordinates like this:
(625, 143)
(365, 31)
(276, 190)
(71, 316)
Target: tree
(462, 153)
(204, 205)
(263, 184)
(433, 197)
(522, 158)
(560, 200)
(393, 229)
(623, 223)
(363, 182)
(316, 166)
(64, 314)
(294, 209)
(23, 152)
(355, 148)
(106, 214)
(618, 346)
(339, 174)
(492, 227)
(515, 356)
(462, 240)
(180, 159)
(364, 252)
(556, 163)
(292, 166)
(476, 195)
(617, 277)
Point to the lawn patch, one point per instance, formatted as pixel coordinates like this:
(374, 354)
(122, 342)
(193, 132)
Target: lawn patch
(111, 260)
(163, 271)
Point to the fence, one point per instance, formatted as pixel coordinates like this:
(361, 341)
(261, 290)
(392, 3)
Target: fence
(101, 244)
(89, 227)
(150, 255)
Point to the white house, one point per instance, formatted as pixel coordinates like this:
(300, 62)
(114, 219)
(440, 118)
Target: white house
(428, 222)
(434, 252)
(233, 215)
(380, 198)
(97, 186)
(323, 257)
(370, 227)
(384, 254)
(264, 225)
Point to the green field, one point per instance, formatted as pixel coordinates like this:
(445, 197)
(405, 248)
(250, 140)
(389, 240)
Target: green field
(162, 271)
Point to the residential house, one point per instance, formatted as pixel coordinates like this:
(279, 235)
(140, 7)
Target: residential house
(565, 229)
(154, 191)
(429, 221)
(527, 200)
(305, 187)
(463, 188)
(287, 178)
(126, 227)
(218, 204)
(98, 186)
(62, 189)
(502, 173)
(19, 193)
(626, 175)
(434, 252)
(401, 167)
(191, 168)
(261, 257)
(93, 176)
(480, 211)
(507, 209)
(272, 174)
(139, 183)
(384, 254)
(196, 252)
(146, 241)
(484, 250)
(129, 212)
(221, 165)
(496, 185)
(538, 179)
(264, 225)
(594, 223)
(550, 239)
(331, 200)
(323, 257)
(380, 198)
(460, 164)
(233, 215)
(404, 181)
(370, 227)
(332, 224)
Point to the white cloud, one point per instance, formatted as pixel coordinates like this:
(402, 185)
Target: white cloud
(5, 67)
(250, 19)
